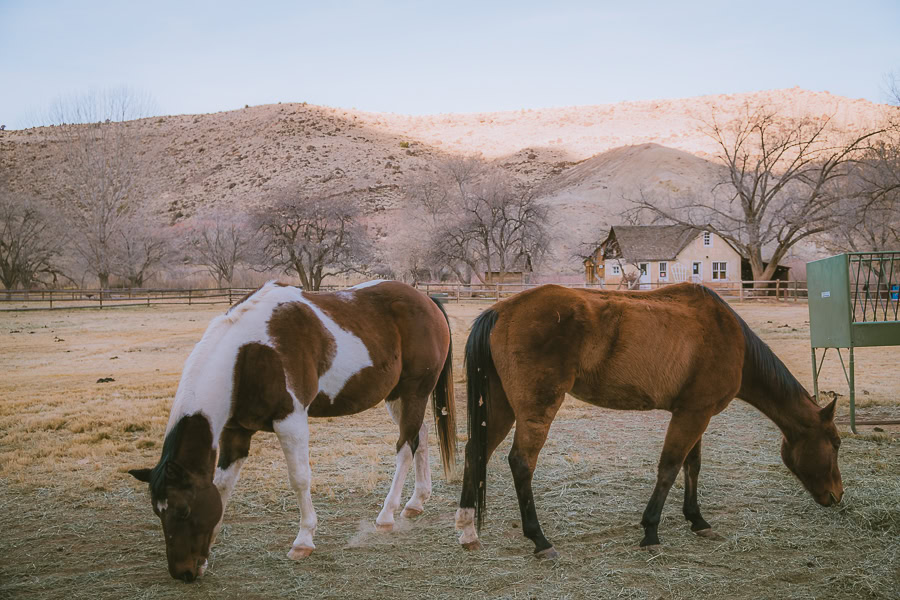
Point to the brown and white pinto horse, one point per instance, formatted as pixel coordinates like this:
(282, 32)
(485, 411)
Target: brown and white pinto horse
(680, 348)
(278, 357)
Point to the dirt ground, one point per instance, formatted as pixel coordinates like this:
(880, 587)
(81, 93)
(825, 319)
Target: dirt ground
(73, 524)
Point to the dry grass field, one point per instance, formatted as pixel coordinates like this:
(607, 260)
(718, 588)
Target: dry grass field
(73, 524)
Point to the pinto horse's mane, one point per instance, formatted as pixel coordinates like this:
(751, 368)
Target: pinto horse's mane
(762, 362)
(158, 473)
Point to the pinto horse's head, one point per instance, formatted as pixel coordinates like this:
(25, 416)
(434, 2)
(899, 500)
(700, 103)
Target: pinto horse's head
(812, 455)
(183, 495)
(190, 508)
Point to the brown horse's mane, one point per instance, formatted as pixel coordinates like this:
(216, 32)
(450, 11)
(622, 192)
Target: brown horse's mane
(761, 361)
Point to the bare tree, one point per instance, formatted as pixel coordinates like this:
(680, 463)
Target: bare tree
(779, 185)
(139, 248)
(100, 172)
(480, 220)
(219, 242)
(30, 246)
(312, 236)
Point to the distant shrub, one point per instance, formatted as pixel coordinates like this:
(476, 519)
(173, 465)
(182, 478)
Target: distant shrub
(404, 144)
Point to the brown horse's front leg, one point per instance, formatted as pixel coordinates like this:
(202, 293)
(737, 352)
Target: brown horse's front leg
(682, 436)
(691, 507)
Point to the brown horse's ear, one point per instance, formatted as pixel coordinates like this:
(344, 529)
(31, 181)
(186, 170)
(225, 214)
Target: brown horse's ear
(141, 474)
(827, 413)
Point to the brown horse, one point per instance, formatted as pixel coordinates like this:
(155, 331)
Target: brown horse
(278, 357)
(680, 348)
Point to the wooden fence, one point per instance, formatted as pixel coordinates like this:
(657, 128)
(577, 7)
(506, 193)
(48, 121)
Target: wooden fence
(732, 290)
(42, 299)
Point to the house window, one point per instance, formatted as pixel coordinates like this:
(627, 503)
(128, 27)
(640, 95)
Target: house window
(663, 270)
(707, 239)
(696, 271)
(720, 270)
(644, 268)
(616, 270)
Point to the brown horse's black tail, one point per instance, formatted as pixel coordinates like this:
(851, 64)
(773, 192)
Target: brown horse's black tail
(479, 367)
(443, 405)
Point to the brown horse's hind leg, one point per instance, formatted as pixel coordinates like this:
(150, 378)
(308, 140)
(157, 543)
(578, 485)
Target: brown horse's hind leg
(683, 434)
(531, 433)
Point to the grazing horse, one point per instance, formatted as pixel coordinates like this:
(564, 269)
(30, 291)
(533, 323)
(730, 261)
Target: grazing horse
(680, 348)
(277, 357)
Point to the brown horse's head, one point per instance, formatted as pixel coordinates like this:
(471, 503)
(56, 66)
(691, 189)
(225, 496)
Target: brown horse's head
(190, 508)
(813, 457)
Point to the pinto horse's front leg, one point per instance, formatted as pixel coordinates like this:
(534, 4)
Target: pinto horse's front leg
(234, 447)
(293, 434)
(683, 434)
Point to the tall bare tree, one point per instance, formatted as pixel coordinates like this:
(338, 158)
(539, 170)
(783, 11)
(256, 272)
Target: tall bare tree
(30, 245)
(312, 236)
(100, 171)
(779, 185)
(219, 242)
(481, 220)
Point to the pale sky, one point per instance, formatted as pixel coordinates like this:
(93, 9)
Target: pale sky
(435, 57)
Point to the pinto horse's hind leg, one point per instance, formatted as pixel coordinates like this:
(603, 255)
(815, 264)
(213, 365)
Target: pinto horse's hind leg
(409, 415)
(293, 434)
(682, 436)
(422, 492)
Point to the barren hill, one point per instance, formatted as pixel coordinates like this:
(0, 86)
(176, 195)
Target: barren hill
(592, 156)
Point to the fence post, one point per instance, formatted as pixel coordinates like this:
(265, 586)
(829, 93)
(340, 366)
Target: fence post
(777, 289)
(741, 290)
(51, 299)
(101, 299)
(229, 296)
(189, 297)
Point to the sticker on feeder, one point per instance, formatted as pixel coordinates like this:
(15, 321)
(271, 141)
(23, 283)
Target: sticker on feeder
(826, 294)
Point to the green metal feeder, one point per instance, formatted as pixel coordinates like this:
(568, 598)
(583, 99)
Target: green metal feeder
(854, 300)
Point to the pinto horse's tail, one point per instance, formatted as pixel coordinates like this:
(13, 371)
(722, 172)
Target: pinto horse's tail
(443, 405)
(479, 367)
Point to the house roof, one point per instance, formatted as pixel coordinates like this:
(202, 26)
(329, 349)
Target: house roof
(652, 242)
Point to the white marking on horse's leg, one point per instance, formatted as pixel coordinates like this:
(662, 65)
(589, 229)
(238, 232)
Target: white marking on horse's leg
(293, 433)
(225, 480)
(465, 522)
(422, 493)
(394, 409)
(385, 520)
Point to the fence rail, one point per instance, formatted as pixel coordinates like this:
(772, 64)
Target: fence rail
(67, 299)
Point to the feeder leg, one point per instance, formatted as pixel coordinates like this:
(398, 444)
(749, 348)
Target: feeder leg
(815, 377)
(852, 395)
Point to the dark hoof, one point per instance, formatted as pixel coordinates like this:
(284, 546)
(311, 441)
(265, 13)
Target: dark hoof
(709, 534)
(475, 545)
(547, 554)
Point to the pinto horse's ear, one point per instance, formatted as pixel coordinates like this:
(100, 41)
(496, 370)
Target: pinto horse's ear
(827, 413)
(141, 474)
